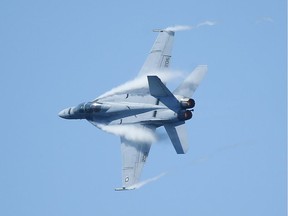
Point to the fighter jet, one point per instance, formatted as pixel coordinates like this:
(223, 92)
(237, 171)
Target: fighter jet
(144, 105)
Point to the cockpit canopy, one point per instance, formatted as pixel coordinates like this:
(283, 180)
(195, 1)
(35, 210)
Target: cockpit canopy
(89, 107)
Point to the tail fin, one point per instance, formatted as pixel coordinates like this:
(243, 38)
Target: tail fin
(190, 84)
(160, 91)
(178, 136)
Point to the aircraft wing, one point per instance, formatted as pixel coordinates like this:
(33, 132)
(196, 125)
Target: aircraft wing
(158, 60)
(134, 156)
(160, 54)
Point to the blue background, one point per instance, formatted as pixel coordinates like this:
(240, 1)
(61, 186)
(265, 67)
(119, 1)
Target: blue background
(56, 54)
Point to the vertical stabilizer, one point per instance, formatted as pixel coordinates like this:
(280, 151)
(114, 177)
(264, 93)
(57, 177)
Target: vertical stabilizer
(160, 91)
(178, 135)
(190, 84)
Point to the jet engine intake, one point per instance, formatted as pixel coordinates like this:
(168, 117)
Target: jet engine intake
(187, 103)
(184, 115)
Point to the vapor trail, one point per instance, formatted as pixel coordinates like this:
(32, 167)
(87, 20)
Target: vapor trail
(179, 28)
(187, 27)
(141, 184)
(133, 133)
(139, 83)
(206, 23)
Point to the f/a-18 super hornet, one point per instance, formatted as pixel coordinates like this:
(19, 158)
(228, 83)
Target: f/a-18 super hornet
(143, 105)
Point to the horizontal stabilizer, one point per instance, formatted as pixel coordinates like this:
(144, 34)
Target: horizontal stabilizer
(190, 84)
(178, 135)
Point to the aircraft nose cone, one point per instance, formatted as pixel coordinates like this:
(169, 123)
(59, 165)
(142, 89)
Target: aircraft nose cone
(61, 114)
(64, 113)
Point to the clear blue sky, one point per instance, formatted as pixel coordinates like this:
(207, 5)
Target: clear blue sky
(55, 54)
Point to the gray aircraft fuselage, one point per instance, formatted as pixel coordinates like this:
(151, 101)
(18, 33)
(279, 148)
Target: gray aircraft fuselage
(126, 109)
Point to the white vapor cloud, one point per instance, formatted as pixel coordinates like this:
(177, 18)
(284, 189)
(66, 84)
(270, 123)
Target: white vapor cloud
(206, 23)
(179, 28)
(133, 133)
(140, 83)
(141, 184)
(187, 27)
(264, 20)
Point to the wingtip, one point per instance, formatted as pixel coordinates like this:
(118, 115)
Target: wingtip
(124, 189)
(164, 30)
(157, 30)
